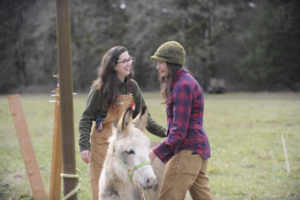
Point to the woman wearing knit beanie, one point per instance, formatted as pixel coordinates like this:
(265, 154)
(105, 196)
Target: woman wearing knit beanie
(186, 149)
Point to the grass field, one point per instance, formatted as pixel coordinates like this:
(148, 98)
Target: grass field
(244, 130)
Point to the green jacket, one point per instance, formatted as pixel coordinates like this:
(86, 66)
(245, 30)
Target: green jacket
(93, 110)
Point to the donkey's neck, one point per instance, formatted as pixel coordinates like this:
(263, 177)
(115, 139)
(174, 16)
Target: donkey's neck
(114, 188)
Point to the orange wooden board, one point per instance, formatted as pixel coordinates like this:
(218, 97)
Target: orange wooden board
(56, 164)
(32, 169)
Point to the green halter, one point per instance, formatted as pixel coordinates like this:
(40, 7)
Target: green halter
(131, 171)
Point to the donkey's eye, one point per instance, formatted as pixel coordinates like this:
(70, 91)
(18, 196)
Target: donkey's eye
(130, 152)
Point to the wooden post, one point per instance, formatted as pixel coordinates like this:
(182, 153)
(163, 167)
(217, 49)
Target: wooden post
(56, 164)
(66, 90)
(32, 169)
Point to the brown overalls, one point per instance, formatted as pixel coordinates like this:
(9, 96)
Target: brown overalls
(99, 143)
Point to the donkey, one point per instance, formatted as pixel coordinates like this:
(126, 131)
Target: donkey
(127, 169)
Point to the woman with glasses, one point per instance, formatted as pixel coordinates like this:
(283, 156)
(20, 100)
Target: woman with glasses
(110, 95)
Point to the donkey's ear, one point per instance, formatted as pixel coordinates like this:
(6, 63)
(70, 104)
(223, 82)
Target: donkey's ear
(141, 120)
(127, 116)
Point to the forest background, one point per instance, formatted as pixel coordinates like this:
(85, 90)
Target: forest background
(231, 45)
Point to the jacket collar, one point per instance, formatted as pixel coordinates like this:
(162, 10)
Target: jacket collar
(179, 73)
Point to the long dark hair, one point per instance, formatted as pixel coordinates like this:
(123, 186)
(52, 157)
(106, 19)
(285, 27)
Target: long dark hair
(166, 81)
(108, 81)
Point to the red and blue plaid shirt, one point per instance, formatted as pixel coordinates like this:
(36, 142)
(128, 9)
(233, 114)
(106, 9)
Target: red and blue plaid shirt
(185, 119)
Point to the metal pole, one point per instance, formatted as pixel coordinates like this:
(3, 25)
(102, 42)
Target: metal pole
(66, 98)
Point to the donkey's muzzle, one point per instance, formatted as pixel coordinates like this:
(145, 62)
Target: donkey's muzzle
(150, 182)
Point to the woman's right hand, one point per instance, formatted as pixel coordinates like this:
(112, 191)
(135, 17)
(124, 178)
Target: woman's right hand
(85, 156)
(152, 156)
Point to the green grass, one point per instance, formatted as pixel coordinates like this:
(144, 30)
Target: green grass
(244, 130)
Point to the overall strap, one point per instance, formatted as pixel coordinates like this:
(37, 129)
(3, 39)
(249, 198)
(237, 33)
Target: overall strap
(129, 88)
(130, 92)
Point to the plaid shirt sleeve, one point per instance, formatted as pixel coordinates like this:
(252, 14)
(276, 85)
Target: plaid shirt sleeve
(178, 111)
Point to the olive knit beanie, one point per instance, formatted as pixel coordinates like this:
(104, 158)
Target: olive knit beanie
(171, 52)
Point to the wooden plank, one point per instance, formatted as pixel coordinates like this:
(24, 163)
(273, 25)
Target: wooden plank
(26, 146)
(287, 163)
(56, 164)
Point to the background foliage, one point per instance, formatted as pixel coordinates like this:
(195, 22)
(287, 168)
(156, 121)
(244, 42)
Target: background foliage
(252, 45)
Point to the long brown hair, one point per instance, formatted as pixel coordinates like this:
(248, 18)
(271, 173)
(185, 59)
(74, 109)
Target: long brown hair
(108, 81)
(166, 81)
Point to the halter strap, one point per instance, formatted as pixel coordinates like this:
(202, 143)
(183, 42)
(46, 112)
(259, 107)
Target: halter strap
(129, 88)
(131, 171)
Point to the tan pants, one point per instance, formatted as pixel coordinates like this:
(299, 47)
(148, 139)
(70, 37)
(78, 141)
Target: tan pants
(185, 171)
(99, 146)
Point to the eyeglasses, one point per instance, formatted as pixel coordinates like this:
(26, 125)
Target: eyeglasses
(131, 59)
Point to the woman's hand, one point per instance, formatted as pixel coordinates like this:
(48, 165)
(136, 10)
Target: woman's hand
(152, 156)
(85, 156)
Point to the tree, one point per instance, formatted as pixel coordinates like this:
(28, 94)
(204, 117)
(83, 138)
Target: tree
(272, 46)
(96, 27)
(251, 44)
(12, 59)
